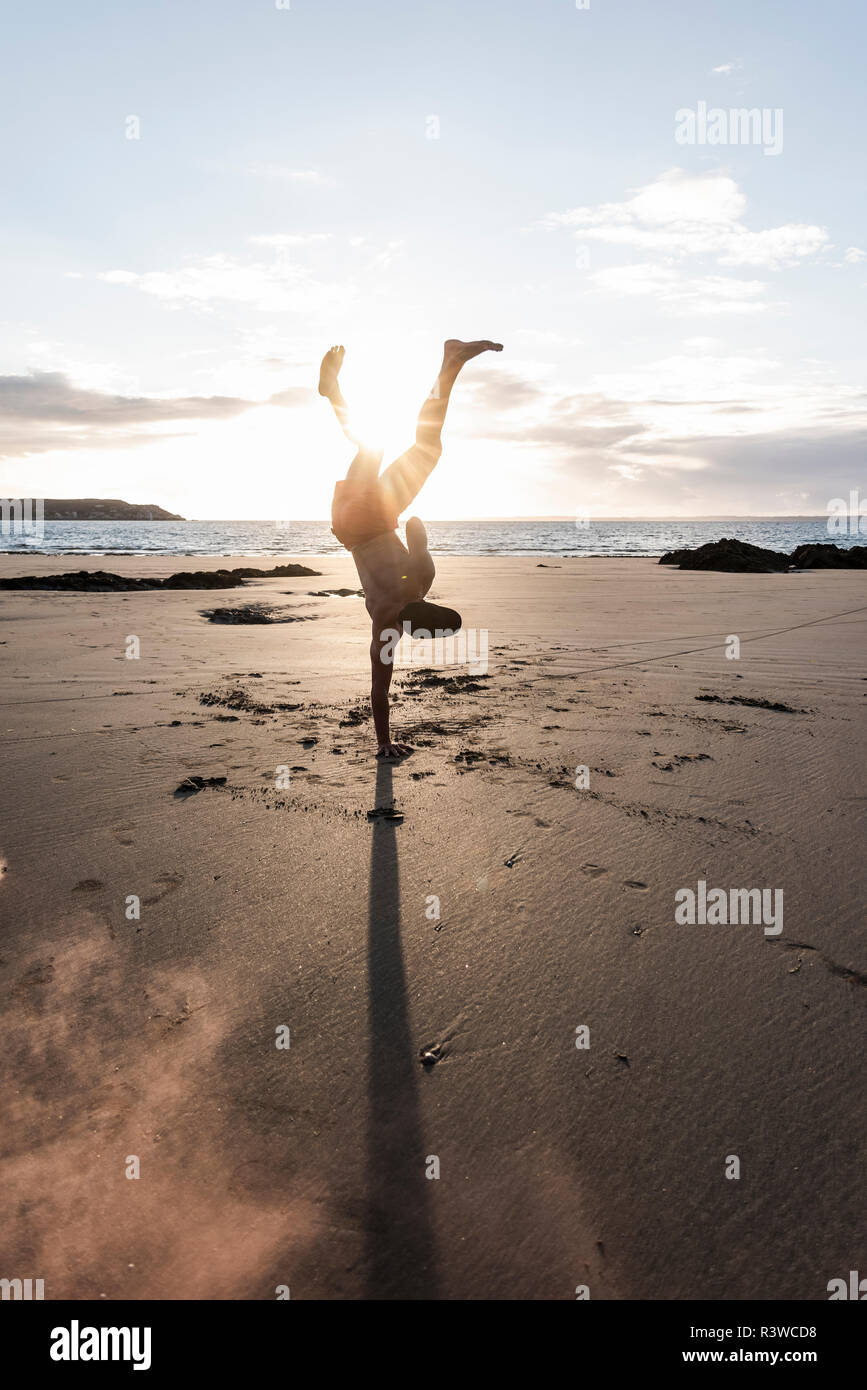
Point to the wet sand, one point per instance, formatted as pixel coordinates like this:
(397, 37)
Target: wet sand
(265, 907)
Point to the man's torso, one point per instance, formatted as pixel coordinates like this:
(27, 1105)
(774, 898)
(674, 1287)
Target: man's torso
(385, 569)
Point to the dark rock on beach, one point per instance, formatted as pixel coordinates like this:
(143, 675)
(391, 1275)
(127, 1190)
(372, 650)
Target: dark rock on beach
(828, 556)
(278, 572)
(253, 614)
(81, 581)
(729, 555)
(197, 783)
(103, 582)
(740, 557)
(751, 703)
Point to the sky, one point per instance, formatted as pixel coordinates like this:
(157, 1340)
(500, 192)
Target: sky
(200, 196)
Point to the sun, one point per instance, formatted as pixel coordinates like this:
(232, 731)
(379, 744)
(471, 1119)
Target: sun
(384, 399)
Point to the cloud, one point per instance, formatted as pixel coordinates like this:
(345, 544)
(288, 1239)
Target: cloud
(284, 173)
(44, 411)
(494, 391)
(286, 239)
(271, 279)
(740, 422)
(277, 286)
(705, 294)
(294, 397)
(796, 457)
(574, 423)
(681, 215)
(50, 396)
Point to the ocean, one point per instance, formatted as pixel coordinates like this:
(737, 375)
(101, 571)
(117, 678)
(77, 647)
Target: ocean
(510, 537)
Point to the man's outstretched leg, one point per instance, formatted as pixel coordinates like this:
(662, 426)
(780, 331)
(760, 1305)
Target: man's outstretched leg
(329, 371)
(365, 465)
(403, 480)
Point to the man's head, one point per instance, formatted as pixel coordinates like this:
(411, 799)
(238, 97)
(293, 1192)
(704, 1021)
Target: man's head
(431, 619)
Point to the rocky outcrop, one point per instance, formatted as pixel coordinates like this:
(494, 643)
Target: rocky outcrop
(739, 557)
(103, 582)
(828, 556)
(729, 555)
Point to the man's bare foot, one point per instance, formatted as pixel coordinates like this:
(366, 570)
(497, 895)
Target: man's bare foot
(330, 370)
(455, 353)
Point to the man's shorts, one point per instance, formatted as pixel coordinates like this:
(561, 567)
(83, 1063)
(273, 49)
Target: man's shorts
(359, 512)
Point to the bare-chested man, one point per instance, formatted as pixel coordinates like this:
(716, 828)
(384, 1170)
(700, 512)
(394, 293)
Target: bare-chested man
(364, 515)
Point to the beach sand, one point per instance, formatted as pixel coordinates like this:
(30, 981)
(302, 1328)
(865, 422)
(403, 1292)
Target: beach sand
(265, 908)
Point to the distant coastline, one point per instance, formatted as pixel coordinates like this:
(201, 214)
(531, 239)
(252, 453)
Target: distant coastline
(114, 509)
(104, 509)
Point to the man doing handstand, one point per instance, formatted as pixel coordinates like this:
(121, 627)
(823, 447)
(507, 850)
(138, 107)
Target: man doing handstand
(364, 516)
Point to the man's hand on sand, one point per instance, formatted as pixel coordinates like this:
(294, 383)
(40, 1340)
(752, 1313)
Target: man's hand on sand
(394, 751)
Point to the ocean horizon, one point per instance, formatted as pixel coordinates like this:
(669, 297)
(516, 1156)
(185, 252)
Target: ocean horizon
(620, 538)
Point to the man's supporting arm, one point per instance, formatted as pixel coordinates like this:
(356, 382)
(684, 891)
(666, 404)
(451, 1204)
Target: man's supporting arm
(382, 648)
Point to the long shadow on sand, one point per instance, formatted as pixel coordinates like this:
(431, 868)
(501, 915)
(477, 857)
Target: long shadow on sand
(400, 1259)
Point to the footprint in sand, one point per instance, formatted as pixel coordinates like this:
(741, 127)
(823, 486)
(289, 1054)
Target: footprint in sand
(593, 870)
(167, 884)
(42, 973)
(635, 883)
